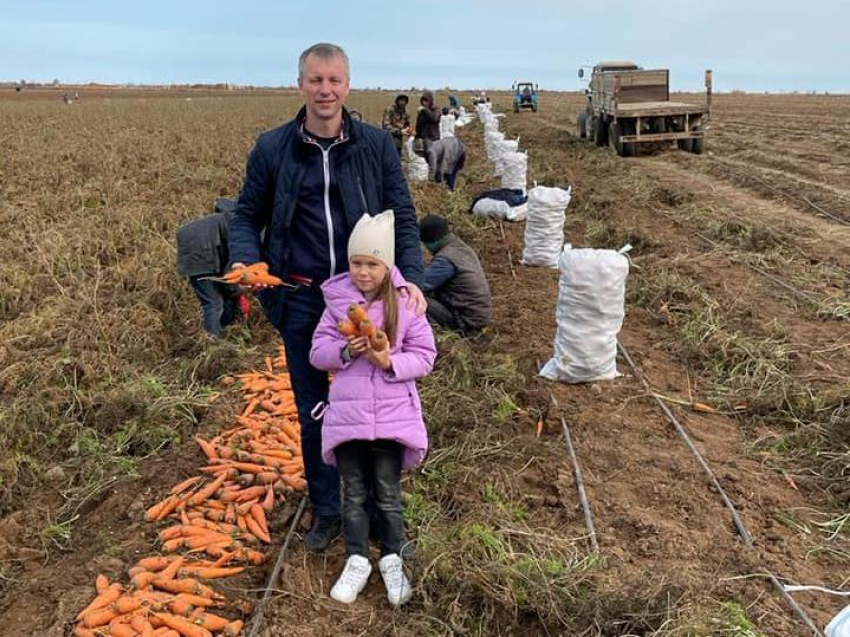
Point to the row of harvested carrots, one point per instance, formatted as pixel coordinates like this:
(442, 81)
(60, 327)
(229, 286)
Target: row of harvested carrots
(219, 523)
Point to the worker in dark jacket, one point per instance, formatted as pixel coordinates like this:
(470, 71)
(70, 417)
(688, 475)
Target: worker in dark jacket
(307, 183)
(202, 253)
(455, 286)
(428, 130)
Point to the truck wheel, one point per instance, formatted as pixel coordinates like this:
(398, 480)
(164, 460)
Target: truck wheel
(600, 132)
(698, 146)
(615, 133)
(581, 122)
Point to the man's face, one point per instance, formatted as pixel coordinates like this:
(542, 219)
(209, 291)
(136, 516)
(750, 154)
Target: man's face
(324, 86)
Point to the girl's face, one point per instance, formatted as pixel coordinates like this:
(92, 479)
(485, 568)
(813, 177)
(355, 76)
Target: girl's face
(368, 273)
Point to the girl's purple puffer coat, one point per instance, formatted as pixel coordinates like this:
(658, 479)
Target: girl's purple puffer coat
(367, 403)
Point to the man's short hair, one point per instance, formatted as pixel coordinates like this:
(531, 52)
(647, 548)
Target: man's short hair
(326, 51)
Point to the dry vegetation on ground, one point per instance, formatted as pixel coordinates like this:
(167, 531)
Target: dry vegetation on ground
(104, 373)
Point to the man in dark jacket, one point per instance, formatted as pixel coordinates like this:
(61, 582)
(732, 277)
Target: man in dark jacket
(202, 253)
(396, 120)
(428, 130)
(455, 286)
(307, 183)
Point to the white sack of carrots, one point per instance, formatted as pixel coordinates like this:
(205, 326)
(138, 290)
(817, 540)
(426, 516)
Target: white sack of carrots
(591, 306)
(544, 228)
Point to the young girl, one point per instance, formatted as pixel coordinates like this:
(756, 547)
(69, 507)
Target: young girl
(372, 427)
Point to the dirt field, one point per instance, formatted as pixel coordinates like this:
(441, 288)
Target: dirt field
(104, 375)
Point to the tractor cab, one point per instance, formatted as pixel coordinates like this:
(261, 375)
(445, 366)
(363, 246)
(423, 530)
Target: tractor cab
(525, 96)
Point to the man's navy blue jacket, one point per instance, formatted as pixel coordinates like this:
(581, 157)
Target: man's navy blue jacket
(365, 168)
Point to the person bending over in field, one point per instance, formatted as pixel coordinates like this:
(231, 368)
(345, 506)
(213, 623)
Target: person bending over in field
(201, 254)
(450, 158)
(307, 183)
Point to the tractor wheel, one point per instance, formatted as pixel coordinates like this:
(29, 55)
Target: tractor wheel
(615, 133)
(534, 108)
(600, 132)
(698, 146)
(581, 124)
(516, 107)
(686, 145)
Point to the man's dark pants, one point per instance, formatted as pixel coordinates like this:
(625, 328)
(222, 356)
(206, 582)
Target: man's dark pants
(218, 303)
(442, 314)
(302, 311)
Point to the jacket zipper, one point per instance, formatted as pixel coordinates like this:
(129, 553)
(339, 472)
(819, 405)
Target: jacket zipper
(363, 204)
(326, 169)
(374, 405)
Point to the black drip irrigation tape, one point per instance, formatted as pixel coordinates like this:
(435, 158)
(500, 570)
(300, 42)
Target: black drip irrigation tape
(744, 534)
(800, 294)
(798, 610)
(582, 495)
(259, 616)
(736, 518)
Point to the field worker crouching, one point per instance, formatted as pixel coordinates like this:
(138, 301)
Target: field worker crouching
(307, 183)
(202, 253)
(455, 285)
(373, 428)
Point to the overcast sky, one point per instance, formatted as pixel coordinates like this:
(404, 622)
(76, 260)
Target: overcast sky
(752, 45)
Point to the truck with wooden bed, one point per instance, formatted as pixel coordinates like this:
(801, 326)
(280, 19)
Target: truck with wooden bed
(628, 105)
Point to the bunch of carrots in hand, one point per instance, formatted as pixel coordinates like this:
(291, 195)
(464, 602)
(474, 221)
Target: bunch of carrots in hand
(256, 274)
(359, 324)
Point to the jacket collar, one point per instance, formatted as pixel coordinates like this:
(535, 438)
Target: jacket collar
(435, 246)
(350, 128)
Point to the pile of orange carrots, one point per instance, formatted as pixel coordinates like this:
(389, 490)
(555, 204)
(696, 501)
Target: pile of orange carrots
(217, 522)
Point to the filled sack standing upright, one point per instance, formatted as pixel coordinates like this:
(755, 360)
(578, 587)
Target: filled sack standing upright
(544, 228)
(590, 311)
(515, 171)
(447, 126)
(417, 167)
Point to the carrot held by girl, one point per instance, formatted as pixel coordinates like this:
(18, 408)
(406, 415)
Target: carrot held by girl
(372, 427)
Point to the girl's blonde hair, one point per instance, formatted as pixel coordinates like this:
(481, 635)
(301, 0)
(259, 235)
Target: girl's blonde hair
(389, 296)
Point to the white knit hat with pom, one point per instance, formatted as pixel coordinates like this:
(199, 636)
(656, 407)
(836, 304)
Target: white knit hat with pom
(374, 237)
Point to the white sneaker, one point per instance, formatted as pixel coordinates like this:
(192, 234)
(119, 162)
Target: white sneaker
(398, 586)
(353, 579)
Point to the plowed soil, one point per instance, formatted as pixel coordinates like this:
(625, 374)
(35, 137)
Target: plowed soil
(777, 164)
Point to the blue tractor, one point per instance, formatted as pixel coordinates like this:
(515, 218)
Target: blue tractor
(525, 96)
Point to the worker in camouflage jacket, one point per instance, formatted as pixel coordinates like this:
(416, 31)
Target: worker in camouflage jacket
(396, 120)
